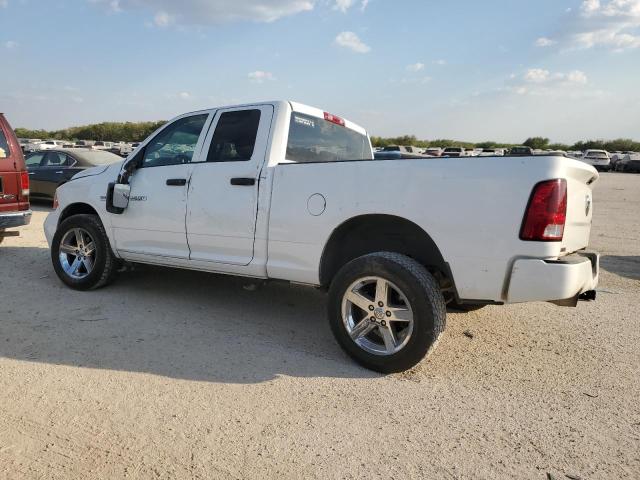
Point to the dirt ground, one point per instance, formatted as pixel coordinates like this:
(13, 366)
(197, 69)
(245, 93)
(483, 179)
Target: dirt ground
(171, 374)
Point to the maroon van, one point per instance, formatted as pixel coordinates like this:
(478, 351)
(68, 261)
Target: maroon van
(14, 183)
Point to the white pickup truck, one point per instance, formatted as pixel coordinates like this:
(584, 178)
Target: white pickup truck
(280, 190)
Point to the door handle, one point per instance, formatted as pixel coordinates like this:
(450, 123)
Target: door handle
(176, 182)
(244, 182)
(60, 171)
(32, 173)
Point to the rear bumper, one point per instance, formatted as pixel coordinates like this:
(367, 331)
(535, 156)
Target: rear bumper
(15, 219)
(561, 281)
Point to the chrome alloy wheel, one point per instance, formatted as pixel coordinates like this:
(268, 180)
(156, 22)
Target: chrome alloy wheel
(77, 253)
(377, 316)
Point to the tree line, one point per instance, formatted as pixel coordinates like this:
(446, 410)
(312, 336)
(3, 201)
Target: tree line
(105, 131)
(138, 131)
(542, 143)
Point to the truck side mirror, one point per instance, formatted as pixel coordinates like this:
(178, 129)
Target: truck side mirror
(117, 197)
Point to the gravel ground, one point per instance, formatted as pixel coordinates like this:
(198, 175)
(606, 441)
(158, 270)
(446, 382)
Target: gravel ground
(171, 374)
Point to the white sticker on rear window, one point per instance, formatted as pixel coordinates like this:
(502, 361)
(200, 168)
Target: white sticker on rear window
(304, 121)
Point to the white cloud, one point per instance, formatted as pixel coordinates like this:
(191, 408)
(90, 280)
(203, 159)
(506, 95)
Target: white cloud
(440, 62)
(536, 75)
(590, 6)
(207, 12)
(344, 5)
(608, 24)
(351, 41)
(539, 75)
(184, 95)
(614, 24)
(162, 19)
(577, 77)
(4, 3)
(260, 76)
(544, 42)
(10, 44)
(415, 67)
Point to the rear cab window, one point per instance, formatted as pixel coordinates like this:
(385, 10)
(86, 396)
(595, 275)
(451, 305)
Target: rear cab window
(316, 140)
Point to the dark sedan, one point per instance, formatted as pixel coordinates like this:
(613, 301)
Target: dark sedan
(48, 169)
(629, 164)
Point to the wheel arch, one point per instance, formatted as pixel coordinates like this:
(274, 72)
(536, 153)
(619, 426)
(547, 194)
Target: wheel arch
(77, 208)
(371, 233)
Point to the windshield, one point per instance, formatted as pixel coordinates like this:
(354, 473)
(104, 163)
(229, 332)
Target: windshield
(313, 139)
(597, 154)
(453, 150)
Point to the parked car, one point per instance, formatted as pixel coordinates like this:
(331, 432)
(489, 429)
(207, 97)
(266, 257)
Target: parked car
(100, 145)
(14, 183)
(280, 190)
(399, 151)
(127, 148)
(454, 152)
(521, 151)
(48, 170)
(85, 143)
(491, 152)
(433, 151)
(43, 145)
(599, 159)
(630, 164)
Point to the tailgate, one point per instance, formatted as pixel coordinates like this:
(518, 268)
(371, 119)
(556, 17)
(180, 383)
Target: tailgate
(580, 181)
(9, 178)
(8, 189)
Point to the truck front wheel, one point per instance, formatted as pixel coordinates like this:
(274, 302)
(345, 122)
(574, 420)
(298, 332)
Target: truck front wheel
(386, 311)
(81, 254)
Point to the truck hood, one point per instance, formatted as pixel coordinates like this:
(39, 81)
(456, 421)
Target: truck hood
(93, 171)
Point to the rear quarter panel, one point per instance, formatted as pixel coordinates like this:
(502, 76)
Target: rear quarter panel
(471, 207)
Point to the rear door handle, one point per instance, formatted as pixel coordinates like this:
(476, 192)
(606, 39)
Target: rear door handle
(244, 182)
(59, 172)
(176, 182)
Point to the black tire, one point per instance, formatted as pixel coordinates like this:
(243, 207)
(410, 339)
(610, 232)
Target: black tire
(105, 265)
(422, 292)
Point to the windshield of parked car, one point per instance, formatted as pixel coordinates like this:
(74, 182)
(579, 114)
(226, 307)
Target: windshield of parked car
(313, 139)
(597, 154)
(453, 150)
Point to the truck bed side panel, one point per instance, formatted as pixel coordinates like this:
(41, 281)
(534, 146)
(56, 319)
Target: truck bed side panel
(472, 208)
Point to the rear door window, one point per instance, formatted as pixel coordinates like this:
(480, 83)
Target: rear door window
(34, 160)
(235, 136)
(314, 140)
(55, 159)
(4, 145)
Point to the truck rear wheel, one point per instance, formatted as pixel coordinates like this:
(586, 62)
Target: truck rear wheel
(81, 254)
(386, 311)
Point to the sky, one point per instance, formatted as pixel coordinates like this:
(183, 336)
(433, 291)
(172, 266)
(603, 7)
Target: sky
(470, 70)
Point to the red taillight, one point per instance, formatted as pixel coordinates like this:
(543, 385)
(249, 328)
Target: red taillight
(24, 183)
(334, 119)
(547, 212)
(55, 200)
